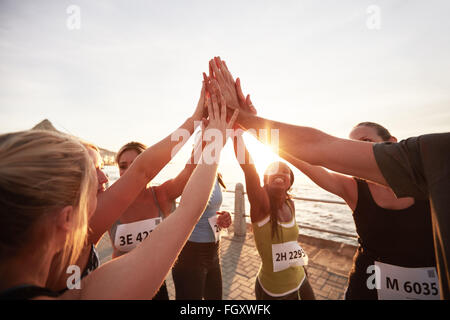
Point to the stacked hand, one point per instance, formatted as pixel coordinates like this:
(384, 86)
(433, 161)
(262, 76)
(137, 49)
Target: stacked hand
(221, 82)
(220, 91)
(218, 118)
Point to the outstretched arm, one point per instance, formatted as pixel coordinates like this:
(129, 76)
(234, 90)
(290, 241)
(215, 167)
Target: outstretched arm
(172, 189)
(336, 183)
(257, 196)
(349, 157)
(152, 260)
(144, 168)
(353, 158)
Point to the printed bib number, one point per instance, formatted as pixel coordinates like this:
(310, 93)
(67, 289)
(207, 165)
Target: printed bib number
(129, 235)
(288, 254)
(218, 231)
(399, 283)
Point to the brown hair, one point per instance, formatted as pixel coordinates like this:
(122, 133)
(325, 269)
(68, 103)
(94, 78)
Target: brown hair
(42, 172)
(382, 132)
(133, 145)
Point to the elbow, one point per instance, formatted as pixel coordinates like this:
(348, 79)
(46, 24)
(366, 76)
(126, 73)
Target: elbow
(143, 169)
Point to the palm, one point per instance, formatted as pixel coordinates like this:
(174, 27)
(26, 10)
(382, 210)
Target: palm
(221, 81)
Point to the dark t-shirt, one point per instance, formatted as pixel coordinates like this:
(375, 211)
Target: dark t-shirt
(419, 167)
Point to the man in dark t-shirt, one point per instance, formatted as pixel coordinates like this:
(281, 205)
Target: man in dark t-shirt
(417, 167)
(420, 168)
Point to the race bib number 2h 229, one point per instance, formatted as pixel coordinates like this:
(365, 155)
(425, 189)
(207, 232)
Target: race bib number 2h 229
(288, 254)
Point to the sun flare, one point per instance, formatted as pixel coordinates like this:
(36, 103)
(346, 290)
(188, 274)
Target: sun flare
(262, 154)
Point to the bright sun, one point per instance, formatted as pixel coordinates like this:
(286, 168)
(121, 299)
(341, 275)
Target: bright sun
(262, 154)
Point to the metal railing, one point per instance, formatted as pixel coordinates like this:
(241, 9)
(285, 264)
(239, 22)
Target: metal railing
(239, 212)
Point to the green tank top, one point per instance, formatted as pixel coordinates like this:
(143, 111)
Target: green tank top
(282, 253)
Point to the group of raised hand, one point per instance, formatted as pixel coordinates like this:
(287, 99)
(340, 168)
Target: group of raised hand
(221, 88)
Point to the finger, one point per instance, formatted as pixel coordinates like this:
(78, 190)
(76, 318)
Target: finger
(210, 108)
(215, 88)
(223, 110)
(225, 68)
(215, 107)
(217, 73)
(211, 71)
(224, 71)
(233, 118)
(201, 101)
(212, 63)
(203, 92)
(239, 91)
(218, 62)
(250, 104)
(205, 77)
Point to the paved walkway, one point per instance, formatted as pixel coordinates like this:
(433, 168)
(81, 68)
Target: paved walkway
(329, 264)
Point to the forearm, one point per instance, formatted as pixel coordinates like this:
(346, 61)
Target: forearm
(349, 157)
(329, 181)
(175, 187)
(152, 160)
(113, 202)
(299, 142)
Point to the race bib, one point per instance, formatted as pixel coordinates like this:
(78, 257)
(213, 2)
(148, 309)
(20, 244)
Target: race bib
(129, 235)
(288, 254)
(399, 283)
(218, 231)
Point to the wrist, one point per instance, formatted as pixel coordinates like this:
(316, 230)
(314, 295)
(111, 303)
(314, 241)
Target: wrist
(192, 123)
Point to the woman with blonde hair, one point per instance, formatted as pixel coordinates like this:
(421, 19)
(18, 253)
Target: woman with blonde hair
(114, 201)
(47, 194)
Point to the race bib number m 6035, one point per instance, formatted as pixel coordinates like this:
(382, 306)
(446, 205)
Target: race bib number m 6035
(399, 283)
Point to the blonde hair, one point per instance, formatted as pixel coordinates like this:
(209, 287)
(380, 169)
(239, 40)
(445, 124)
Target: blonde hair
(42, 172)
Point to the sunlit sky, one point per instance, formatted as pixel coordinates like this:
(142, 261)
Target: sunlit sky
(133, 70)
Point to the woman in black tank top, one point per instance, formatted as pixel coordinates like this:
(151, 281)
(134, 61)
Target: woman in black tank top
(392, 233)
(397, 237)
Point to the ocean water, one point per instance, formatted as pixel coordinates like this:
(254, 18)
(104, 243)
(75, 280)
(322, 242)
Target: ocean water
(333, 217)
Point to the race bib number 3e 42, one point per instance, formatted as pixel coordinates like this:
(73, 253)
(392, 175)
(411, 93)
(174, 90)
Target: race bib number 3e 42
(129, 235)
(288, 254)
(399, 283)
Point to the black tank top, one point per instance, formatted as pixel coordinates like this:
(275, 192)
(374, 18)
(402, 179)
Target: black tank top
(398, 237)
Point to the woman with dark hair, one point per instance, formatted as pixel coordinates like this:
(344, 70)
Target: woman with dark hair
(151, 206)
(393, 233)
(282, 274)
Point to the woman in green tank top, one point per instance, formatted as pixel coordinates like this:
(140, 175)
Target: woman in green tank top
(282, 274)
